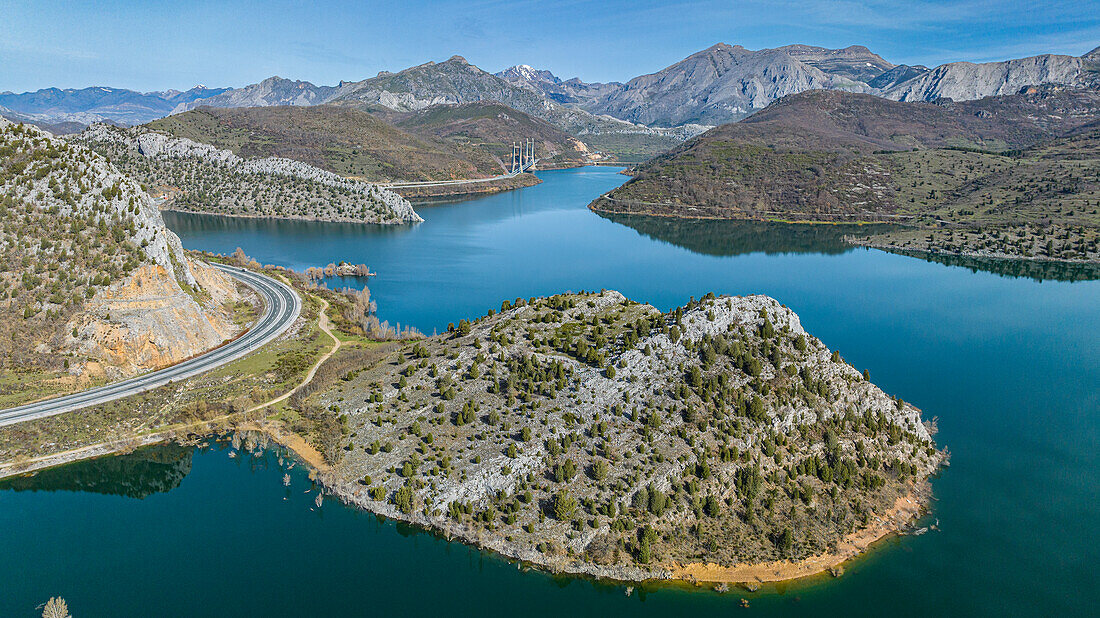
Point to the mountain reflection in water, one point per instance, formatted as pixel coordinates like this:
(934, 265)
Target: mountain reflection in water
(737, 237)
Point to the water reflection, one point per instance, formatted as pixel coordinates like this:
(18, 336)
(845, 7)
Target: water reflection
(725, 238)
(1038, 270)
(149, 470)
(729, 238)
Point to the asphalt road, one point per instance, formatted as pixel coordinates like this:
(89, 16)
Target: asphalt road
(281, 307)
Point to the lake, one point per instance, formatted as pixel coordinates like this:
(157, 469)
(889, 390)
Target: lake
(1005, 355)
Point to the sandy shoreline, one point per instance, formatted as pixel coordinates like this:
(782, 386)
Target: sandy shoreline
(905, 510)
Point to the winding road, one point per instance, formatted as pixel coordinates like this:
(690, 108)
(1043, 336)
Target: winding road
(281, 307)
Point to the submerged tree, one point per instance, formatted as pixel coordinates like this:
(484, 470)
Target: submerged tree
(55, 608)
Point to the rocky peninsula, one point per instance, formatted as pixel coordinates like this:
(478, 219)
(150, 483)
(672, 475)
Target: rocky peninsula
(195, 177)
(590, 434)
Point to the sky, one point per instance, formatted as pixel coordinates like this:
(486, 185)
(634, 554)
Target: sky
(156, 45)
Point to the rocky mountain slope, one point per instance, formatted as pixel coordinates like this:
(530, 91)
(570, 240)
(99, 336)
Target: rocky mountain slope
(196, 177)
(591, 434)
(456, 81)
(854, 62)
(100, 104)
(724, 83)
(897, 75)
(965, 81)
(93, 285)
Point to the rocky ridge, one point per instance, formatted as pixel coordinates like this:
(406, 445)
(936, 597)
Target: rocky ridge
(965, 81)
(375, 203)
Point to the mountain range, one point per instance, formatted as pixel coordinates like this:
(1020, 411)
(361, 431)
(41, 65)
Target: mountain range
(100, 104)
(725, 83)
(720, 84)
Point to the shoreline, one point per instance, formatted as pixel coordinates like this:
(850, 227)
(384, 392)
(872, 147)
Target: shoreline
(906, 510)
(282, 218)
(858, 222)
(911, 252)
(854, 241)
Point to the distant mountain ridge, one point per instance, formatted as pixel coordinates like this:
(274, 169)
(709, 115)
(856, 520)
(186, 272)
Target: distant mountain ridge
(100, 103)
(273, 91)
(553, 87)
(720, 84)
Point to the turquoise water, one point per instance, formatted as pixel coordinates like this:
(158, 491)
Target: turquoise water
(1010, 365)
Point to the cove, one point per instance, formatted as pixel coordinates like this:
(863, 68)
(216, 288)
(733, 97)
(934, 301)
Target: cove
(1007, 359)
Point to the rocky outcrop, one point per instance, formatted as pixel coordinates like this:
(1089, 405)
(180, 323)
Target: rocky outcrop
(118, 294)
(145, 322)
(156, 145)
(964, 81)
(591, 434)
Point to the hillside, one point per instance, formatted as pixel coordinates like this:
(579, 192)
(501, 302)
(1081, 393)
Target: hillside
(1041, 203)
(93, 286)
(194, 177)
(827, 156)
(342, 140)
(493, 127)
(591, 434)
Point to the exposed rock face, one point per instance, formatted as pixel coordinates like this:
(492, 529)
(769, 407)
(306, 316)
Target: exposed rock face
(156, 145)
(147, 322)
(128, 299)
(854, 62)
(964, 81)
(720, 84)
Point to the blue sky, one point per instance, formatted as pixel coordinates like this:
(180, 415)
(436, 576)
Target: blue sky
(155, 45)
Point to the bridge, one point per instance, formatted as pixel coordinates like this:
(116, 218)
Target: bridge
(523, 160)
